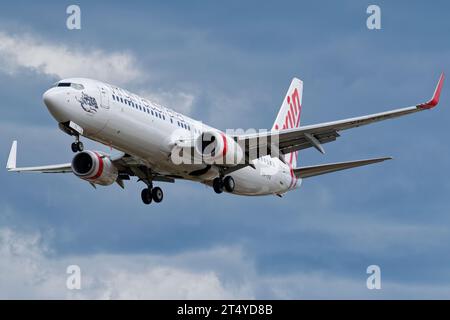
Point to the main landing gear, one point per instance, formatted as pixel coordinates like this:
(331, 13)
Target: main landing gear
(77, 146)
(220, 184)
(152, 194)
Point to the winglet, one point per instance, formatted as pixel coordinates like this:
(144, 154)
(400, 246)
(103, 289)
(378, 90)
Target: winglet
(11, 164)
(437, 94)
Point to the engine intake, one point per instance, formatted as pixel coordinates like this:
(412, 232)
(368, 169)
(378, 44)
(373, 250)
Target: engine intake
(95, 167)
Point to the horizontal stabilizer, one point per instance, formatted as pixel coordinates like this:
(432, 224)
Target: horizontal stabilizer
(311, 171)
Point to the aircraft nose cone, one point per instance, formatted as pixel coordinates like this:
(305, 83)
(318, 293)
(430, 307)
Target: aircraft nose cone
(49, 98)
(54, 101)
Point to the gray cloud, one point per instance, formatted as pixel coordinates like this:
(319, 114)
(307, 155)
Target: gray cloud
(29, 269)
(62, 61)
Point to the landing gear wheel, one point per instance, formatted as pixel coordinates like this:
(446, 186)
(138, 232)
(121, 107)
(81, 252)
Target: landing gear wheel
(157, 194)
(77, 146)
(146, 196)
(218, 185)
(229, 184)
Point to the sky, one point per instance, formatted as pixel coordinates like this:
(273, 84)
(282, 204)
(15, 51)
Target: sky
(229, 64)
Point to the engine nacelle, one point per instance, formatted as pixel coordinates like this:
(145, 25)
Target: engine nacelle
(95, 167)
(218, 148)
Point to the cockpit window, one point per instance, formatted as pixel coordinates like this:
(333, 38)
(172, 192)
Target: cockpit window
(73, 85)
(77, 86)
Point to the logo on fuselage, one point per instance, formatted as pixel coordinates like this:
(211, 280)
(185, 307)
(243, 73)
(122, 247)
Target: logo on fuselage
(88, 103)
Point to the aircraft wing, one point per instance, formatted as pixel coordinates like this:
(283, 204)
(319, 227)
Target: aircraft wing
(129, 165)
(126, 164)
(55, 168)
(290, 140)
(311, 171)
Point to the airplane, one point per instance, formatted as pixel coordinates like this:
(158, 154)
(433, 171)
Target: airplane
(150, 140)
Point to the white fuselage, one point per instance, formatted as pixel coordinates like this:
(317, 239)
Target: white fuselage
(149, 131)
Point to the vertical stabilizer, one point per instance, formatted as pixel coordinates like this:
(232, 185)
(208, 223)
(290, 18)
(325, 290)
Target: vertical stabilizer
(289, 115)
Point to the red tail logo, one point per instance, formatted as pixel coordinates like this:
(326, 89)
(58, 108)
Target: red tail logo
(292, 119)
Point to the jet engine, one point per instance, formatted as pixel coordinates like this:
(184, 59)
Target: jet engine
(95, 167)
(218, 148)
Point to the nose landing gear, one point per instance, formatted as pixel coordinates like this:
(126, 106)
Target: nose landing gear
(77, 146)
(73, 129)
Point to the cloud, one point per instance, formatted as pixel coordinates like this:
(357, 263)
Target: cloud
(62, 61)
(28, 269)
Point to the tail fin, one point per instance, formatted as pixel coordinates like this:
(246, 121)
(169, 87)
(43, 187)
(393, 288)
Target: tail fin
(289, 115)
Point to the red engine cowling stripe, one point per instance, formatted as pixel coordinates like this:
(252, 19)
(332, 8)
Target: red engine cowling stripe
(100, 167)
(225, 147)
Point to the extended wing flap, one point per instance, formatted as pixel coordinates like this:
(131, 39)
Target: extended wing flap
(311, 171)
